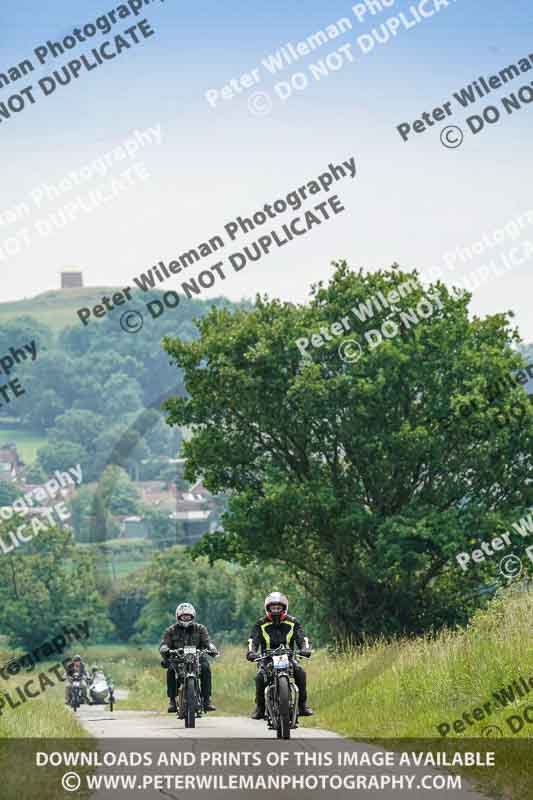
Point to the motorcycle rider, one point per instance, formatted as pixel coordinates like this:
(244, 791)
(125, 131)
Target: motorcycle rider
(76, 665)
(274, 629)
(187, 633)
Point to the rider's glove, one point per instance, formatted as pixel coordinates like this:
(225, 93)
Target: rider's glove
(251, 656)
(306, 653)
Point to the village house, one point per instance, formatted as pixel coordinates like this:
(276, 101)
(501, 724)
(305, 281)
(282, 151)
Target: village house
(198, 511)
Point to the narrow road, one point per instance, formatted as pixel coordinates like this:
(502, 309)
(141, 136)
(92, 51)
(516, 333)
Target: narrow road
(103, 724)
(217, 736)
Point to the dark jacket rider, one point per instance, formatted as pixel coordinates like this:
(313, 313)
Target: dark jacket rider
(187, 633)
(73, 666)
(274, 629)
(76, 665)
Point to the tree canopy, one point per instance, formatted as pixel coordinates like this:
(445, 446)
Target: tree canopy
(227, 598)
(47, 584)
(365, 477)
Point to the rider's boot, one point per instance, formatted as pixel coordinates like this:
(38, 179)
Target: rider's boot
(172, 707)
(259, 712)
(301, 682)
(208, 705)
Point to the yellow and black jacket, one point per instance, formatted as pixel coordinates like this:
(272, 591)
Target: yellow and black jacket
(267, 635)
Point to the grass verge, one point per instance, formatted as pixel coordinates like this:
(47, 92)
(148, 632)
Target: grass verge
(405, 689)
(386, 692)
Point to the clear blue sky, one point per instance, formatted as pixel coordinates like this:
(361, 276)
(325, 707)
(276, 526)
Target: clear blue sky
(411, 202)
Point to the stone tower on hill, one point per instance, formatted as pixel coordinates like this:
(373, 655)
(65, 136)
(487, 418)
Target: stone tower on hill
(73, 279)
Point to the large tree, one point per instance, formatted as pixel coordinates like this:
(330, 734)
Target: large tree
(363, 475)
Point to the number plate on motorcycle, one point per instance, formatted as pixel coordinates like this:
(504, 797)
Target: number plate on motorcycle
(189, 651)
(280, 662)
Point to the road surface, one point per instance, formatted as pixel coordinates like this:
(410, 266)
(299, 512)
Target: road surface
(103, 724)
(156, 731)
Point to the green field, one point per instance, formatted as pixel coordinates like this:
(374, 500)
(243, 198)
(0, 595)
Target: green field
(27, 442)
(56, 309)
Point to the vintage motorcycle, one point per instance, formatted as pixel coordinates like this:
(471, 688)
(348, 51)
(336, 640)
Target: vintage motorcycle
(186, 664)
(281, 692)
(101, 691)
(75, 697)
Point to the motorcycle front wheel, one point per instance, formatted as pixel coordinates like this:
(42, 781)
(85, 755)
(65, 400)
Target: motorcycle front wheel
(190, 703)
(284, 704)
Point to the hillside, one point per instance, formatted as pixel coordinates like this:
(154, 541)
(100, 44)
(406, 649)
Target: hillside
(56, 308)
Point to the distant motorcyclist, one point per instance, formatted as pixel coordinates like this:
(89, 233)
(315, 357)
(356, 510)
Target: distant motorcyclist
(187, 633)
(100, 689)
(274, 629)
(76, 665)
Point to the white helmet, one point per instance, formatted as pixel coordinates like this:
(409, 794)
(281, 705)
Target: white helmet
(276, 598)
(185, 609)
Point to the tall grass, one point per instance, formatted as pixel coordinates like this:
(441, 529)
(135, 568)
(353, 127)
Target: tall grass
(400, 689)
(396, 689)
(385, 691)
(44, 717)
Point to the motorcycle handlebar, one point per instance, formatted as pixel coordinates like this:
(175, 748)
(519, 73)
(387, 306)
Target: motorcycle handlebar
(281, 652)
